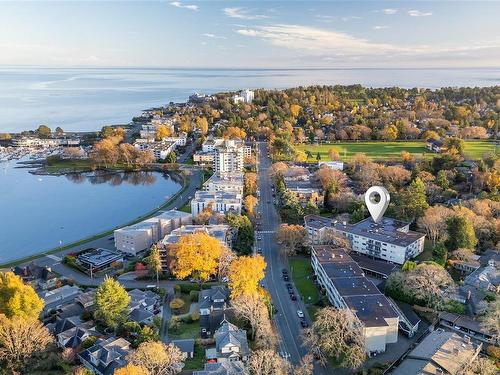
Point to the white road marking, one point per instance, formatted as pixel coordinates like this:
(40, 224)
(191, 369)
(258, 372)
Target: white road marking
(54, 257)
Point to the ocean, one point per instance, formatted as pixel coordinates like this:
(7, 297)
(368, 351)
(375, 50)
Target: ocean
(85, 99)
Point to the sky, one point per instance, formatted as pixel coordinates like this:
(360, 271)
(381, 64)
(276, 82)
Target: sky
(251, 34)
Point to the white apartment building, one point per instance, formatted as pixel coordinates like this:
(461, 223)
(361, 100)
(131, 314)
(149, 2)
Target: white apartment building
(160, 149)
(390, 239)
(347, 288)
(228, 182)
(139, 237)
(220, 201)
(45, 142)
(229, 157)
(244, 96)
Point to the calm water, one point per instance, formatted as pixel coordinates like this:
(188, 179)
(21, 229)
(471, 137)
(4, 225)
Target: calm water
(37, 212)
(87, 99)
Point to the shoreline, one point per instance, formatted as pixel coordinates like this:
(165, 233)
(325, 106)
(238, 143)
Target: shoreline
(16, 262)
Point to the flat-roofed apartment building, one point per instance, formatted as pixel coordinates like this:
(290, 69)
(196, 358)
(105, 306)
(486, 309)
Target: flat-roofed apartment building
(220, 201)
(138, 237)
(347, 288)
(230, 182)
(390, 239)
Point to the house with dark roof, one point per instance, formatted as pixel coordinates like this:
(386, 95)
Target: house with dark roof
(75, 336)
(465, 325)
(144, 305)
(222, 368)
(57, 298)
(186, 346)
(39, 277)
(231, 344)
(105, 356)
(213, 304)
(434, 145)
(441, 352)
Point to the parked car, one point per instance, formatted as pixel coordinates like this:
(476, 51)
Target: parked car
(293, 297)
(300, 314)
(304, 324)
(286, 278)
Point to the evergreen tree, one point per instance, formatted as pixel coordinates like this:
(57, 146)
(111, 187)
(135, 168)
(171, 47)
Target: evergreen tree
(318, 156)
(440, 254)
(442, 180)
(154, 263)
(460, 233)
(414, 200)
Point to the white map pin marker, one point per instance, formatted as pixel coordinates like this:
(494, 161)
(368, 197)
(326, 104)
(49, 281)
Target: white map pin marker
(377, 209)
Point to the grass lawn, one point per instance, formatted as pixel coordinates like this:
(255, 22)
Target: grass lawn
(186, 207)
(75, 164)
(384, 151)
(187, 302)
(302, 277)
(198, 360)
(185, 331)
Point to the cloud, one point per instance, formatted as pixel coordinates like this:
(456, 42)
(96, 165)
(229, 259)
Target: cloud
(389, 11)
(213, 36)
(331, 45)
(317, 41)
(242, 14)
(418, 13)
(178, 4)
(380, 27)
(349, 18)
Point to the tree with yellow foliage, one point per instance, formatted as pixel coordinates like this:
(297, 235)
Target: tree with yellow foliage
(163, 131)
(202, 124)
(17, 298)
(196, 255)
(295, 109)
(333, 154)
(250, 183)
(131, 369)
(250, 202)
(245, 274)
(233, 132)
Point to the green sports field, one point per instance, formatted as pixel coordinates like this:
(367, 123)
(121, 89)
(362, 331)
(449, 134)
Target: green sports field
(385, 151)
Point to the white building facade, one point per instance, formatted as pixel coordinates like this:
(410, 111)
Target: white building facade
(222, 202)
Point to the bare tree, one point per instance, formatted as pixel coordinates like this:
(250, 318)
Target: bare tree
(337, 333)
(434, 222)
(291, 236)
(491, 319)
(305, 367)
(266, 362)
(226, 258)
(479, 366)
(252, 309)
(21, 339)
(158, 358)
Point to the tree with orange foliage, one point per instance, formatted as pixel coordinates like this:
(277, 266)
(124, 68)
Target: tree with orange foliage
(250, 183)
(291, 236)
(196, 255)
(245, 274)
(202, 124)
(295, 109)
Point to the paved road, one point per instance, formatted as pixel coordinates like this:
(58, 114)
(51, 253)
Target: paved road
(107, 242)
(286, 319)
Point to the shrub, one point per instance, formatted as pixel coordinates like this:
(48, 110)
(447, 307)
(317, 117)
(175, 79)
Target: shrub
(455, 307)
(490, 297)
(493, 351)
(187, 288)
(177, 289)
(195, 316)
(176, 304)
(193, 295)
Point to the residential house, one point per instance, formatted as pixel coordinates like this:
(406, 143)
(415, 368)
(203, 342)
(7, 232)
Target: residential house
(435, 145)
(466, 325)
(441, 352)
(231, 344)
(74, 337)
(186, 346)
(39, 277)
(222, 368)
(57, 298)
(143, 306)
(213, 304)
(485, 278)
(105, 356)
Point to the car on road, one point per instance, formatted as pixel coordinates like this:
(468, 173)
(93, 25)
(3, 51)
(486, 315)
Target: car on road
(289, 286)
(284, 270)
(259, 251)
(284, 355)
(259, 238)
(304, 324)
(293, 297)
(268, 202)
(300, 314)
(286, 278)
